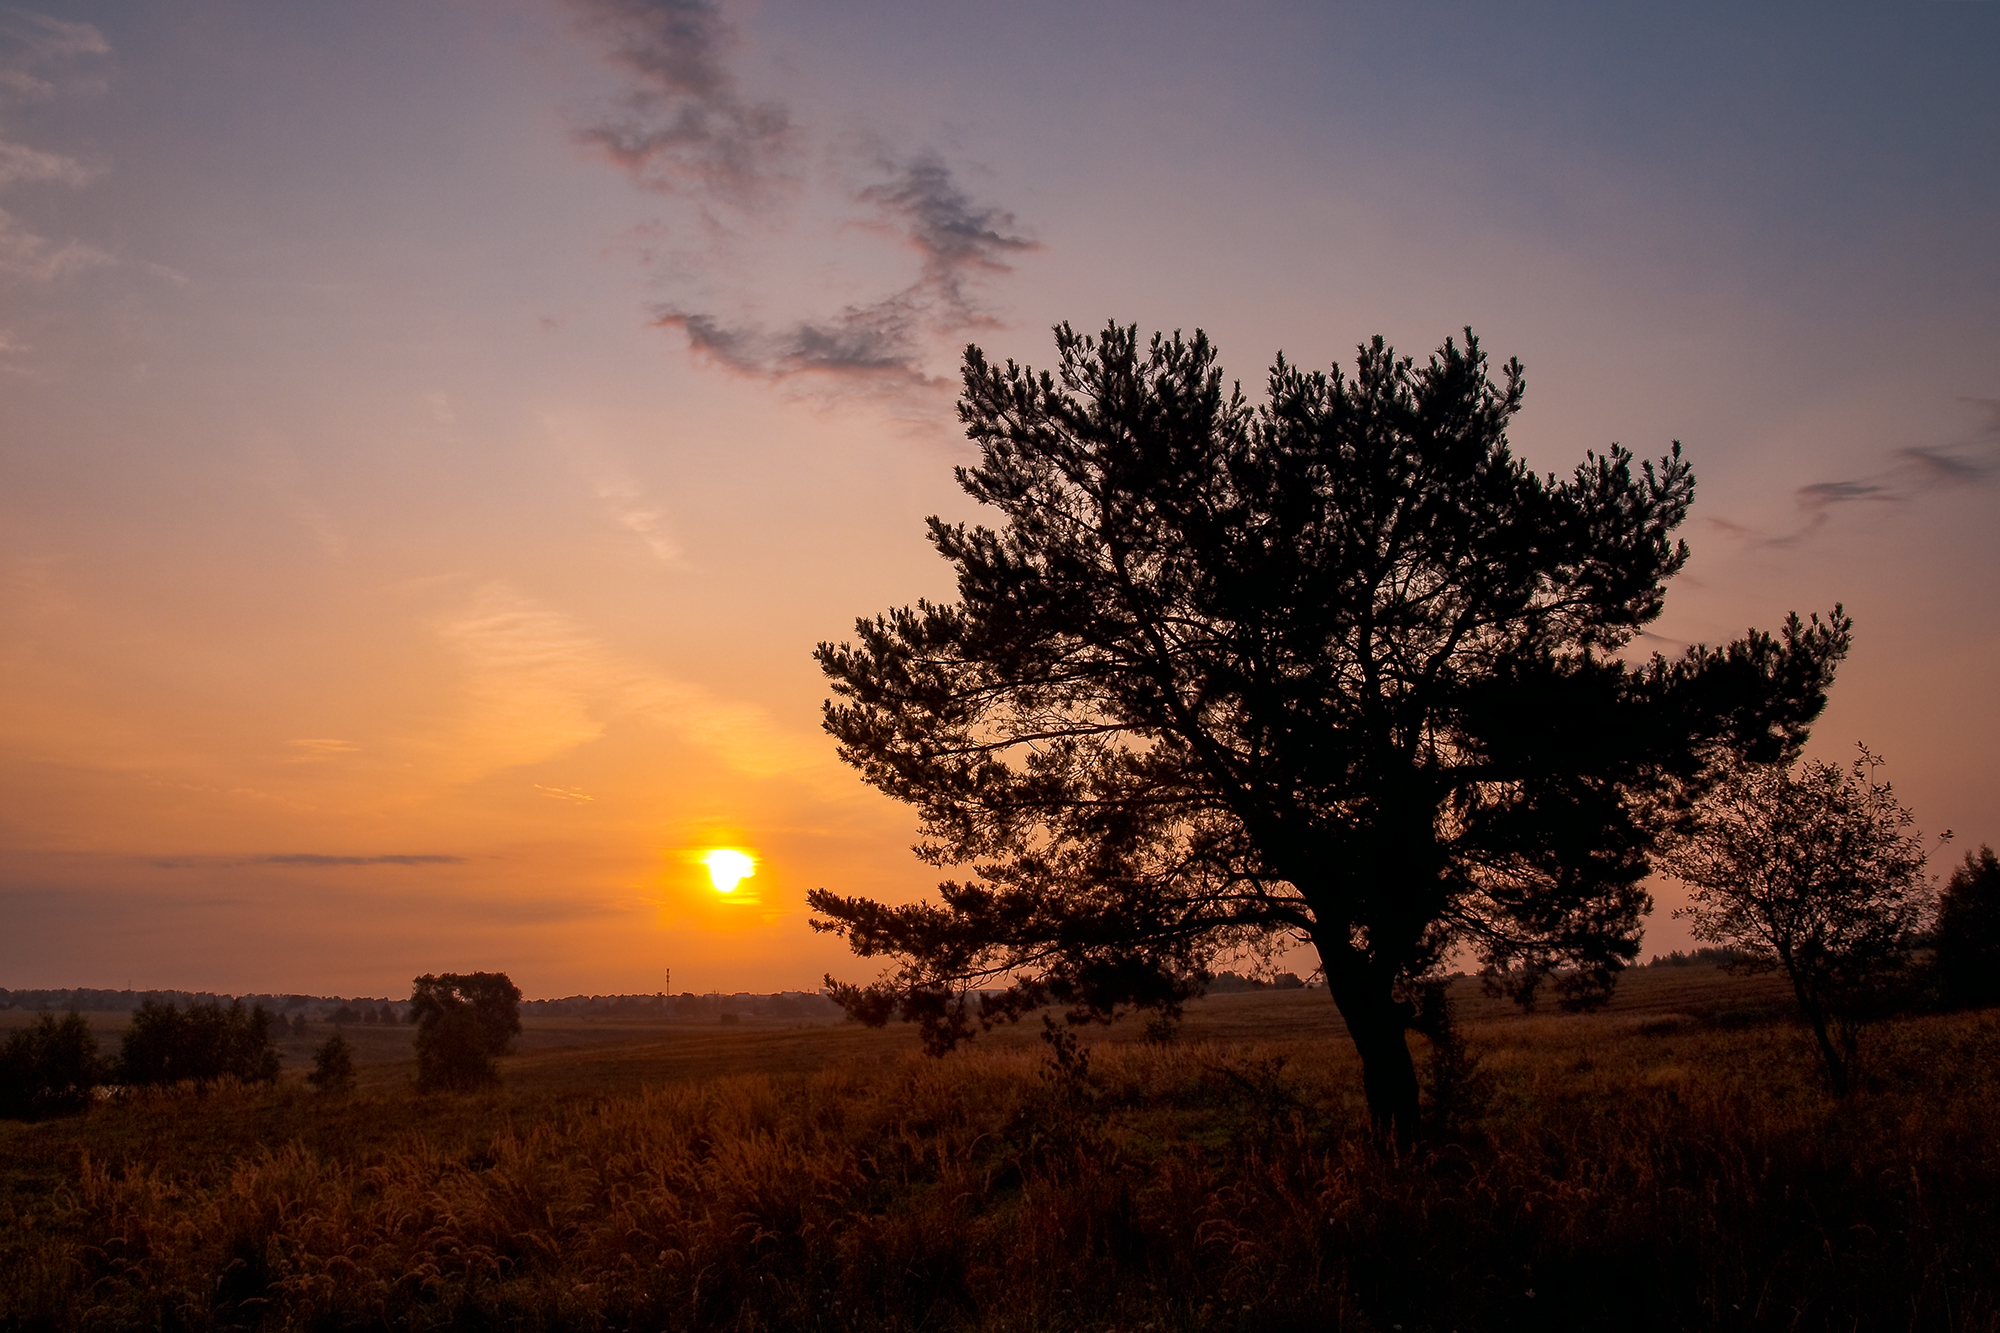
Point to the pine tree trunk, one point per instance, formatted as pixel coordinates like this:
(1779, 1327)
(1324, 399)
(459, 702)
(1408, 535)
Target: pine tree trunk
(1377, 1025)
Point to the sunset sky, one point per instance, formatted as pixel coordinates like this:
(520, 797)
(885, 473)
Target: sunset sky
(434, 434)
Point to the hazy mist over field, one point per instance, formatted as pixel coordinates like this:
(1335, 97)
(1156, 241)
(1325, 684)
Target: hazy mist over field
(433, 436)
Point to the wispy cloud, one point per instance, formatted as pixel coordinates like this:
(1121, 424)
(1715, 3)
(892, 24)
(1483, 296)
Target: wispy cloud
(594, 452)
(625, 502)
(958, 238)
(26, 254)
(683, 127)
(40, 58)
(1908, 474)
(316, 749)
(38, 54)
(681, 124)
(18, 162)
(958, 243)
(539, 685)
(320, 859)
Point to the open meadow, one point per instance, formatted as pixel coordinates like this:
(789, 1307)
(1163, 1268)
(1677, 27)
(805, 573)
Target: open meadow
(1669, 1163)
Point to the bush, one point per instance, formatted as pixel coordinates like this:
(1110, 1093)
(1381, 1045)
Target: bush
(49, 1068)
(333, 1065)
(199, 1044)
(1967, 957)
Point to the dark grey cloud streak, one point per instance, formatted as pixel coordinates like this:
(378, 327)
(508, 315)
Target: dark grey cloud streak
(1912, 471)
(307, 859)
(318, 859)
(681, 125)
(684, 128)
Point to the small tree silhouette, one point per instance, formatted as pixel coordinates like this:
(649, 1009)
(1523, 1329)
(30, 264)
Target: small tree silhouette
(333, 1065)
(1967, 961)
(1816, 873)
(49, 1068)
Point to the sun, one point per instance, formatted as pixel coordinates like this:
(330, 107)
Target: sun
(728, 867)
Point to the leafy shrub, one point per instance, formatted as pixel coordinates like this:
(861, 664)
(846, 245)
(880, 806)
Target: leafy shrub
(333, 1065)
(1967, 960)
(49, 1068)
(199, 1044)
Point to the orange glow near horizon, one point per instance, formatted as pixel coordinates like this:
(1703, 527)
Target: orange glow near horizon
(728, 867)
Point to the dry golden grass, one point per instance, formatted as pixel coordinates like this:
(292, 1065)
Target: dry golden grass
(1670, 1163)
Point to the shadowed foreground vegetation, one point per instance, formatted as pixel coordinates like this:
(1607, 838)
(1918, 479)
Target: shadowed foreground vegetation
(1670, 1163)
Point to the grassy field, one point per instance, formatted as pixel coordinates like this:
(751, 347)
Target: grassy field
(1669, 1163)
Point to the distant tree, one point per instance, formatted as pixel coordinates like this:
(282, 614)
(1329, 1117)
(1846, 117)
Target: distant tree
(347, 1013)
(49, 1068)
(199, 1044)
(1814, 872)
(493, 999)
(463, 1022)
(333, 1065)
(1337, 670)
(1967, 956)
(298, 1025)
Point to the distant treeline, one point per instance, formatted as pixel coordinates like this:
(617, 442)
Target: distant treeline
(53, 1066)
(85, 1000)
(365, 1009)
(1229, 983)
(779, 1004)
(1706, 956)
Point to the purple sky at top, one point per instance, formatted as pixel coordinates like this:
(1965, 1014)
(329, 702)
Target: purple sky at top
(434, 435)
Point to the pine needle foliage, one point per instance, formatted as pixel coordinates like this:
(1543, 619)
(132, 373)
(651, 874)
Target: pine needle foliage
(1336, 669)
